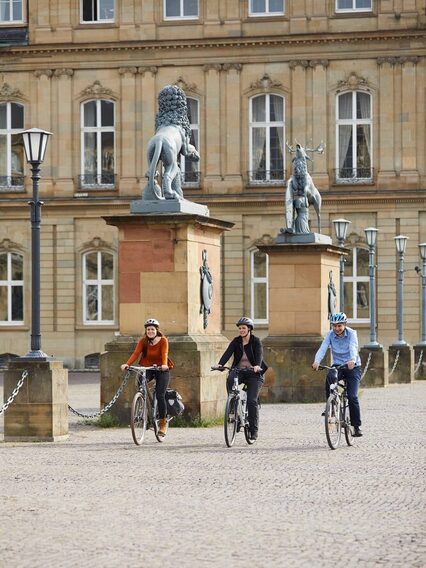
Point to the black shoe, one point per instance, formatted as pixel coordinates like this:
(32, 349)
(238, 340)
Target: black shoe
(358, 433)
(253, 435)
(323, 413)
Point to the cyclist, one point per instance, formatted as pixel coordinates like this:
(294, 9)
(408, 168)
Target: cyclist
(247, 352)
(153, 349)
(343, 342)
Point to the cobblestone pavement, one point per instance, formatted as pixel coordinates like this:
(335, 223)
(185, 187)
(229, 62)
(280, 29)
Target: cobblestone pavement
(287, 501)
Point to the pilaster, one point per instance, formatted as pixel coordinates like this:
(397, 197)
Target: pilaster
(127, 144)
(64, 125)
(298, 80)
(212, 135)
(146, 92)
(232, 124)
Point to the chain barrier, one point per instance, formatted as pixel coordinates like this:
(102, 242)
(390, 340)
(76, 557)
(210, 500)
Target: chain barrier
(14, 392)
(419, 362)
(366, 366)
(109, 405)
(395, 363)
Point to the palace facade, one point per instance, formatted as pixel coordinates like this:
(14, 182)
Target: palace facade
(349, 74)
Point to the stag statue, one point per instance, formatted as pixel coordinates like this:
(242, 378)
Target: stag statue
(301, 192)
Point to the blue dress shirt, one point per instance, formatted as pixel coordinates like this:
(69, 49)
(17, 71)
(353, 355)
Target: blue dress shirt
(344, 348)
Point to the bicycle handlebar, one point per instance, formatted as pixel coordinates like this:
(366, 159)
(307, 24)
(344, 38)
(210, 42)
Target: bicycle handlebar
(322, 367)
(137, 368)
(225, 368)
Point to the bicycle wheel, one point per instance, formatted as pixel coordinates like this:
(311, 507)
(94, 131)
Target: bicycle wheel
(333, 430)
(349, 433)
(156, 421)
(138, 418)
(230, 420)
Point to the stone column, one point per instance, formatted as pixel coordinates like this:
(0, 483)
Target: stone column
(127, 141)
(146, 110)
(386, 171)
(319, 117)
(409, 169)
(233, 127)
(298, 112)
(212, 135)
(64, 126)
(404, 366)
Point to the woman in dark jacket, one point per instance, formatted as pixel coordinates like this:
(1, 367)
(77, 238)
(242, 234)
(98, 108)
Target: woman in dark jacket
(247, 352)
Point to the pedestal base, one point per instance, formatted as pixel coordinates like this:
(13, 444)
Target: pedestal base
(404, 369)
(39, 413)
(420, 364)
(378, 367)
(167, 206)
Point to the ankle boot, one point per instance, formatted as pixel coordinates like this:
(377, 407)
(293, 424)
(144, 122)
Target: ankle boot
(163, 427)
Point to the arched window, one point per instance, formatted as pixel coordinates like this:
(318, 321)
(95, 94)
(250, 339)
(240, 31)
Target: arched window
(97, 144)
(11, 145)
(11, 288)
(191, 170)
(259, 286)
(354, 137)
(357, 286)
(98, 287)
(266, 139)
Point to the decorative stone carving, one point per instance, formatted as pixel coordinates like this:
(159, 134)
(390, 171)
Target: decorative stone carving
(96, 243)
(353, 82)
(298, 63)
(265, 83)
(63, 72)
(153, 70)
(43, 72)
(232, 67)
(315, 62)
(130, 70)
(96, 90)
(264, 240)
(414, 59)
(212, 67)
(7, 93)
(182, 84)
(206, 289)
(8, 245)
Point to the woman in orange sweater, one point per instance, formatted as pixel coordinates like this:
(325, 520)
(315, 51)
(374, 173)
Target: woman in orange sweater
(153, 349)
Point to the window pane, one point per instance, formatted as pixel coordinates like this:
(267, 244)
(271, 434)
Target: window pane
(92, 266)
(345, 106)
(107, 113)
(17, 267)
(106, 8)
(107, 140)
(17, 158)
(90, 113)
(172, 8)
(92, 302)
(107, 266)
(349, 309)
(259, 264)
(258, 6)
(345, 150)
(259, 149)
(107, 303)
(363, 151)
(190, 7)
(259, 308)
(362, 262)
(3, 303)
(259, 109)
(3, 266)
(90, 153)
(363, 4)
(17, 10)
(3, 157)
(17, 112)
(349, 264)
(276, 5)
(362, 297)
(17, 303)
(276, 108)
(4, 11)
(192, 111)
(344, 4)
(276, 135)
(88, 10)
(3, 116)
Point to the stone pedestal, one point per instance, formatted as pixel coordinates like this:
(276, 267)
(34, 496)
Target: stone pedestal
(159, 277)
(377, 374)
(39, 413)
(420, 364)
(404, 368)
(298, 317)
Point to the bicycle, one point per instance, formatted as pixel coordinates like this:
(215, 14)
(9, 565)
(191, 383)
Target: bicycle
(336, 414)
(144, 410)
(236, 411)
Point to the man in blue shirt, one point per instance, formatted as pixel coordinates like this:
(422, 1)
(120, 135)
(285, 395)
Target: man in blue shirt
(343, 342)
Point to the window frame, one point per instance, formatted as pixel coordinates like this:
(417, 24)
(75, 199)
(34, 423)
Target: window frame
(354, 122)
(99, 282)
(8, 132)
(181, 16)
(9, 283)
(267, 12)
(12, 21)
(355, 280)
(354, 9)
(98, 21)
(195, 126)
(254, 280)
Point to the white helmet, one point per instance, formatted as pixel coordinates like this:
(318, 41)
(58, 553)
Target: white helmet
(153, 322)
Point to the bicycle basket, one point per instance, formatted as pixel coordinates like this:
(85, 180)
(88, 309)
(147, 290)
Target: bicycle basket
(175, 406)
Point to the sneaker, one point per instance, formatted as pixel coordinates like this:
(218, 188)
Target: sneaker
(253, 435)
(358, 432)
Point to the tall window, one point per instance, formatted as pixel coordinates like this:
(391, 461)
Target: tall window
(11, 288)
(97, 143)
(353, 5)
(180, 9)
(266, 139)
(259, 286)
(11, 11)
(266, 7)
(97, 11)
(11, 145)
(191, 170)
(354, 136)
(98, 287)
(357, 286)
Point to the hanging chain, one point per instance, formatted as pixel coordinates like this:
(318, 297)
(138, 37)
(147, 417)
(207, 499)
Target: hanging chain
(366, 366)
(109, 405)
(14, 392)
(395, 363)
(419, 362)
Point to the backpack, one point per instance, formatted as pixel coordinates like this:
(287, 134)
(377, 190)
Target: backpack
(175, 406)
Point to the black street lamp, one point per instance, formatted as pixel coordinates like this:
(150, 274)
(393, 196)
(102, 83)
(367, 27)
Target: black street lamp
(371, 237)
(401, 244)
(422, 274)
(35, 143)
(341, 228)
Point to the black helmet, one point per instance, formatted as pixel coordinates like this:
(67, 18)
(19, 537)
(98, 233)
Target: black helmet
(245, 321)
(153, 322)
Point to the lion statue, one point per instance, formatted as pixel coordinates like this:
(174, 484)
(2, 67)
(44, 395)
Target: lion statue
(170, 141)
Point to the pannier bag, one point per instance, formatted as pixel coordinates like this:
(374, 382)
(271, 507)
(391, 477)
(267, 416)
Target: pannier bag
(175, 406)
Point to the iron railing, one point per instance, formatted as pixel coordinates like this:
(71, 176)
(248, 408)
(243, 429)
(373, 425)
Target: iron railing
(12, 182)
(97, 181)
(354, 175)
(190, 179)
(266, 177)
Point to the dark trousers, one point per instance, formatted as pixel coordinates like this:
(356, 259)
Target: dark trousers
(253, 382)
(353, 378)
(161, 384)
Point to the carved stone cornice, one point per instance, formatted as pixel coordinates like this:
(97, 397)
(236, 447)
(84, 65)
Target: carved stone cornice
(180, 82)
(293, 63)
(315, 62)
(96, 90)
(7, 93)
(130, 70)
(63, 72)
(265, 83)
(232, 67)
(152, 69)
(353, 82)
(8, 245)
(394, 60)
(265, 239)
(43, 73)
(96, 243)
(212, 67)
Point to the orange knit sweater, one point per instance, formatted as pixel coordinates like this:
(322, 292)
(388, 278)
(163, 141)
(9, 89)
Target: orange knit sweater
(155, 354)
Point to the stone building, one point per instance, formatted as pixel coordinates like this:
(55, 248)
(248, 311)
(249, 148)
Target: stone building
(257, 73)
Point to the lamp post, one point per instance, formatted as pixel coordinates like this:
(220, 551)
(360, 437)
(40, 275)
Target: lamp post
(341, 228)
(422, 274)
(371, 236)
(35, 143)
(401, 244)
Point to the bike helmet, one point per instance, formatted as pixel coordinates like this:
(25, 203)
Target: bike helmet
(245, 321)
(338, 317)
(153, 322)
